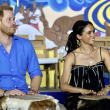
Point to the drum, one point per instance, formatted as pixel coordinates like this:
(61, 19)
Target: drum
(93, 102)
(93, 97)
(29, 102)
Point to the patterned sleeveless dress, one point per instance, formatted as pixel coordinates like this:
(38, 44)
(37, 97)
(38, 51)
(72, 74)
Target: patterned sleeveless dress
(87, 77)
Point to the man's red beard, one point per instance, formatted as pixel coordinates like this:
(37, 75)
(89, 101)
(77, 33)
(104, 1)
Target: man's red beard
(8, 30)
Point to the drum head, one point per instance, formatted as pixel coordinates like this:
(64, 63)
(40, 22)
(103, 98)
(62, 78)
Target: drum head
(36, 97)
(93, 97)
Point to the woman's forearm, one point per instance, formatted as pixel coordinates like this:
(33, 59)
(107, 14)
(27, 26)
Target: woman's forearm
(68, 88)
(107, 88)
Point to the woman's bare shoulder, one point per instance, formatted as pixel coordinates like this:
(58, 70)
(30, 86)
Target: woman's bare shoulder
(100, 49)
(73, 53)
(104, 51)
(70, 57)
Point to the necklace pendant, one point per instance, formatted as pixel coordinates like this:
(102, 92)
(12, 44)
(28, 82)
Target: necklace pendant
(90, 61)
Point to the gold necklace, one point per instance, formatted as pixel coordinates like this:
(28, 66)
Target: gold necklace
(90, 61)
(88, 53)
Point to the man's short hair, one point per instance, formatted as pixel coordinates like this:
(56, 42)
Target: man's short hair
(2, 8)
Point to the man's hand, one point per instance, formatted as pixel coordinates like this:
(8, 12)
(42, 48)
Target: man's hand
(35, 84)
(15, 92)
(32, 91)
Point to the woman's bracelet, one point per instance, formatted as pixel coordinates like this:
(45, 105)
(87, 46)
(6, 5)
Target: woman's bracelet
(4, 93)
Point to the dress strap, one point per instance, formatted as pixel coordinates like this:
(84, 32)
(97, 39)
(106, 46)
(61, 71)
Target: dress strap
(74, 58)
(100, 54)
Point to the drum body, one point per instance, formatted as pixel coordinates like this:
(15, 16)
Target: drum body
(29, 102)
(89, 102)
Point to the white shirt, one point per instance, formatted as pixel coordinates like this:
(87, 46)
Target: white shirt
(37, 14)
(19, 16)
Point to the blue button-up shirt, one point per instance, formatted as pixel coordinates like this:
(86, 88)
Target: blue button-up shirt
(13, 66)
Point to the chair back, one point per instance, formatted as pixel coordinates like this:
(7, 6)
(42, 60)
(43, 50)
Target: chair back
(38, 44)
(103, 41)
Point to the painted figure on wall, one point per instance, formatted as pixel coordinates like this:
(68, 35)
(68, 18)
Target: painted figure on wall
(58, 32)
(27, 19)
(34, 14)
(21, 17)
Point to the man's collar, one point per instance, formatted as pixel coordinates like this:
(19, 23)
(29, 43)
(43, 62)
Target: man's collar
(15, 37)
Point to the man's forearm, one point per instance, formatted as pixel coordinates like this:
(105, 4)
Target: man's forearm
(35, 83)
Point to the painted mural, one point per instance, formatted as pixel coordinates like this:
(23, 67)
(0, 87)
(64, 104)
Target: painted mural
(99, 14)
(55, 18)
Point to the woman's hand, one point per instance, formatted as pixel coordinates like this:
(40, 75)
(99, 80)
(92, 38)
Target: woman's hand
(104, 91)
(85, 91)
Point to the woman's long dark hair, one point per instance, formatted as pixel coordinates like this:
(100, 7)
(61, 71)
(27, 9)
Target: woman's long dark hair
(78, 28)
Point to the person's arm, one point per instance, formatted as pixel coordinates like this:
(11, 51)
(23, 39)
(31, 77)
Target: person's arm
(106, 58)
(26, 19)
(43, 19)
(33, 70)
(107, 27)
(37, 15)
(64, 86)
(35, 84)
(11, 92)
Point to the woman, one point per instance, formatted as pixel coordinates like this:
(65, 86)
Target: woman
(84, 63)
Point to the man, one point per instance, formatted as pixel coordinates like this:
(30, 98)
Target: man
(16, 55)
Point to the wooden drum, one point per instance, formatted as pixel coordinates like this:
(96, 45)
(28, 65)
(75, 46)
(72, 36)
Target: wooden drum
(93, 102)
(93, 97)
(29, 102)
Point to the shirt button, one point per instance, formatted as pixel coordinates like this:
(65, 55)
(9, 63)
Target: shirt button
(13, 78)
(11, 69)
(15, 86)
(10, 59)
(0, 44)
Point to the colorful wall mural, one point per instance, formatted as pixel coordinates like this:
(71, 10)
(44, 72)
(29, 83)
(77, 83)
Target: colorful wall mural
(99, 14)
(55, 18)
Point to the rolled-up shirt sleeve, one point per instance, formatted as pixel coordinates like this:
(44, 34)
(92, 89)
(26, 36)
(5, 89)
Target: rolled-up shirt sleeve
(33, 64)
